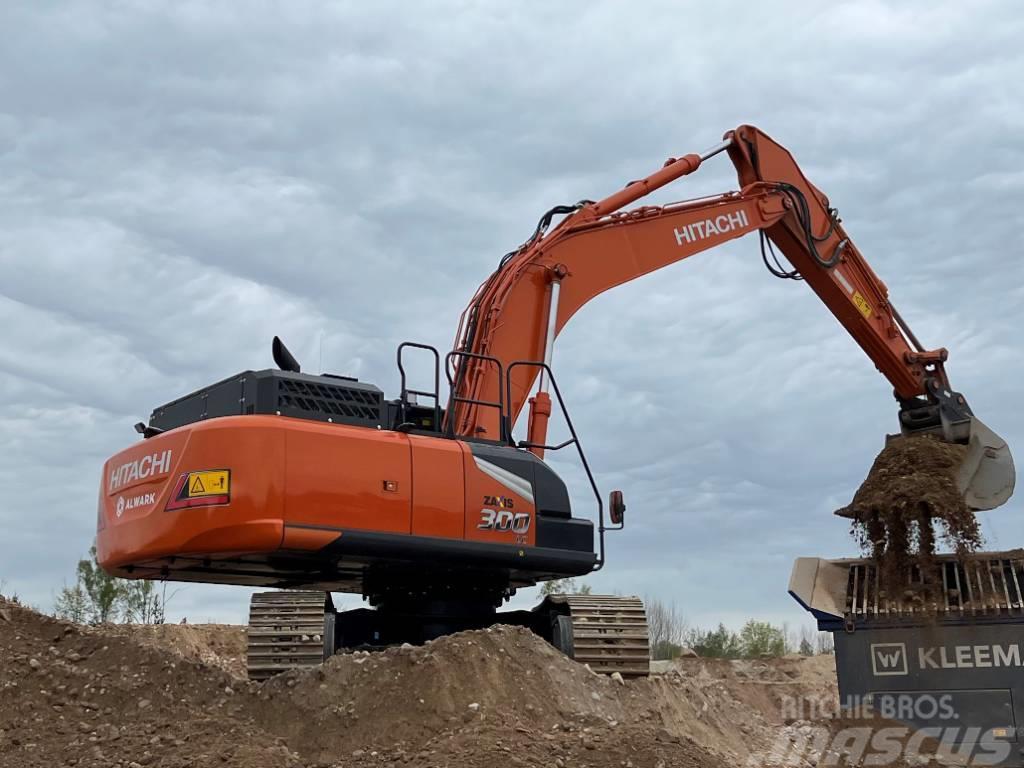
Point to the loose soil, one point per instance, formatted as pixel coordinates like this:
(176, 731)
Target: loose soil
(220, 645)
(910, 488)
(135, 697)
(129, 697)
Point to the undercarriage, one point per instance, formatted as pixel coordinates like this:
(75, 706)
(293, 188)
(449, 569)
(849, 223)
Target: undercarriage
(294, 630)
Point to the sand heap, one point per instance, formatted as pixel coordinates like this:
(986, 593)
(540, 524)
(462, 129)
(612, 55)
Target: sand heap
(116, 697)
(134, 697)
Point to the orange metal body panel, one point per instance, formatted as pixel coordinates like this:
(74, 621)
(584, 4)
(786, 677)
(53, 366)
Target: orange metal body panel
(296, 486)
(438, 482)
(335, 477)
(253, 447)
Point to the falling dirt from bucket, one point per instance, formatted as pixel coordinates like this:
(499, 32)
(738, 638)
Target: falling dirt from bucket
(910, 491)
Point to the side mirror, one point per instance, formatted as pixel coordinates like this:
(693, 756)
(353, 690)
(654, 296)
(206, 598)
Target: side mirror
(616, 507)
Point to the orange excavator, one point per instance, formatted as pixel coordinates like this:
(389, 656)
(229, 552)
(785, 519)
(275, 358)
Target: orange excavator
(430, 509)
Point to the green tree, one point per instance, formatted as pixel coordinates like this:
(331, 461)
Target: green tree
(719, 643)
(760, 638)
(98, 598)
(72, 604)
(563, 587)
(663, 650)
(141, 604)
(825, 644)
(104, 592)
(666, 629)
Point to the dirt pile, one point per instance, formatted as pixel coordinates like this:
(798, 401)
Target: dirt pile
(221, 645)
(501, 693)
(71, 695)
(113, 696)
(504, 691)
(911, 488)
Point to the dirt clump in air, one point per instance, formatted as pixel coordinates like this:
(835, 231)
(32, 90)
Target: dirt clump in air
(910, 491)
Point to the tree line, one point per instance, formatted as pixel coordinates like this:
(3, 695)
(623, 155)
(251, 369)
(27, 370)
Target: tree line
(671, 635)
(96, 597)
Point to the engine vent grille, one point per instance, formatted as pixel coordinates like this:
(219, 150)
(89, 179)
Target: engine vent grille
(330, 399)
(977, 586)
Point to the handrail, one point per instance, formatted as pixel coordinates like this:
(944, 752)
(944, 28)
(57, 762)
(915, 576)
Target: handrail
(453, 398)
(601, 527)
(436, 394)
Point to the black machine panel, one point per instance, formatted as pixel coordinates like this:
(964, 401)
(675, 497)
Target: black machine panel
(949, 667)
(556, 527)
(337, 399)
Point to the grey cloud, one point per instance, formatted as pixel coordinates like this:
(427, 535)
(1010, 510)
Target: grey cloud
(178, 182)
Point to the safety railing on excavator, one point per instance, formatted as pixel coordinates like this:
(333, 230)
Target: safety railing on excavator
(573, 440)
(452, 373)
(453, 387)
(406, 391)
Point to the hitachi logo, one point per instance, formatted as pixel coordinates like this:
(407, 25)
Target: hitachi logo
(969, 656)
(719, 225)
(140, 469)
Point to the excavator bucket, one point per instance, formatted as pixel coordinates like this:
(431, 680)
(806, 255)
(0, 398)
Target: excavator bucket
(987, 475)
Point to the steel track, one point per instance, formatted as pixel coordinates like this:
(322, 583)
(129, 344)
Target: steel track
(286, 631)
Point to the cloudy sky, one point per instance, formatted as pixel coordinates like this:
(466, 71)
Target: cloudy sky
(180, 181)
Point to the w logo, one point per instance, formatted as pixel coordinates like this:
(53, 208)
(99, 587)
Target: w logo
(888, 659)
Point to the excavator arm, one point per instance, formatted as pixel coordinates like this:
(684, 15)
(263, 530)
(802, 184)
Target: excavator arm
(517, 313)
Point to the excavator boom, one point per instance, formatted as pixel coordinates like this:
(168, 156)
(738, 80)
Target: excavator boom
(517, 313)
